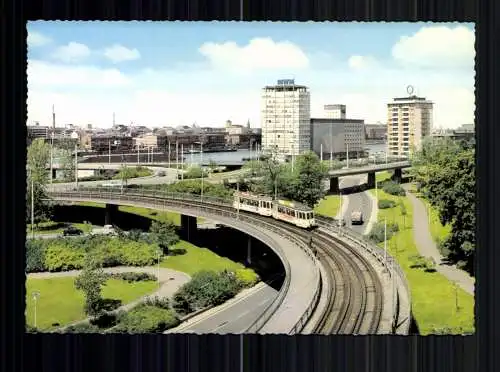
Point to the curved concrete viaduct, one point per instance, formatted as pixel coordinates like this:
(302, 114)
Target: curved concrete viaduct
(301, 288)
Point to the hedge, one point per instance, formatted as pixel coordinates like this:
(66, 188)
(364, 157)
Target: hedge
(206, 288)
(147, 319)
(63, 254)
(247, 277)
(385, 204)
(132, 277)
(377, 233)
(393, 188)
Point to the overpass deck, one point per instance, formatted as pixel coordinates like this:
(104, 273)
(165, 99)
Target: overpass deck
(303, 274)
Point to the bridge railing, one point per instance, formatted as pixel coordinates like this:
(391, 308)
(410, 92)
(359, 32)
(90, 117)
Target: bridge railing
(390, 264)
(158, 198)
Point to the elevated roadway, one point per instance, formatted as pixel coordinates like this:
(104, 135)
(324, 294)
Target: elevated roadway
(300, 290)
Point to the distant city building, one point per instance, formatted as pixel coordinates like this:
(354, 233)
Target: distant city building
(465, 133)
(376, 131)
(150, 141)
(114, 143)
(337, 136)
(409, 121)
(335, 111)
(285, 118)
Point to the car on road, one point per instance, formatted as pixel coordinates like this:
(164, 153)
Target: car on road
(160, 174)
(357, 218)
(71, 230)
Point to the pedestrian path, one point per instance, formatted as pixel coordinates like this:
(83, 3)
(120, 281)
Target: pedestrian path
(428, 248)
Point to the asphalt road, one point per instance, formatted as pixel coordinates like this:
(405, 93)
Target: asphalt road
(237, 317)
(358, 201)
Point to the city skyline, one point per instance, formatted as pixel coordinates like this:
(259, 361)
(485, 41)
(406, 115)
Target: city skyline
(136, 70)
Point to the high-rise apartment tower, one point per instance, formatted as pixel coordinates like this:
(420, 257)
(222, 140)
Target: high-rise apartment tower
(409, 121)
(285, 118)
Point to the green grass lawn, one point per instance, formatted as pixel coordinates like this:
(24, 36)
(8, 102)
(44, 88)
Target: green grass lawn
(196, 259)
(383, 176)
(61, 303)
(433, 295)
(52, 227)
(328, 206)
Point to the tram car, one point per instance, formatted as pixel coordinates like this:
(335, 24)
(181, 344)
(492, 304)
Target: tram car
(284, 210)
(259, 204)
(293, 212)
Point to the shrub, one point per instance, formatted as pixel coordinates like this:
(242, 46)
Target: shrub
(385, 204)
(133, 277)
(60, 255)
(194, 172)
(161, 302)
(247, 277)
(82, 328)
(393, 188)
(35, 256)
(377, 233)
(147, 319)
(206, 288)
(420, 262)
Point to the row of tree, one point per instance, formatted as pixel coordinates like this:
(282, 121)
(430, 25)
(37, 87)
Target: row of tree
(444, 171)
(300, 180)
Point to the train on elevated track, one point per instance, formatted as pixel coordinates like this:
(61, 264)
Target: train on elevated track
(281, 209)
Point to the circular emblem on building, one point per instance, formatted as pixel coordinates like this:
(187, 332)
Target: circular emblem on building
(409, 89)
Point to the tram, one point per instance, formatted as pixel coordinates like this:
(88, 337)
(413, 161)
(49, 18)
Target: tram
(281, 209)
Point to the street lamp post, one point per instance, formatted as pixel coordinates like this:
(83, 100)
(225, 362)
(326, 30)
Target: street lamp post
(201, 166)
(32, 206)
(35, 295)
(182, 161)
(76, 165)
(385, 242)
(158, 268)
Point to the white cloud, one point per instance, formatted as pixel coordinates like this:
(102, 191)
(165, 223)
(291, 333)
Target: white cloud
(360, 62)
(48, 75)
(440, 46)
(72, 52)
(36, 39)
(259, 53)
(119, 53)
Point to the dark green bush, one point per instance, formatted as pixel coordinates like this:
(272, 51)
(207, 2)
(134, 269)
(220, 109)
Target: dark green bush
(161, 302)
(35, 255)
(206, 288)
(82, 328)
(377, 232)
(385, 204)
(393, 188)
(133, 277)
(147, 319)
(64, 254)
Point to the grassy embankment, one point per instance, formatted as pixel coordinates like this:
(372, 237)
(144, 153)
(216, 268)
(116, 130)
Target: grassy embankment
(61, 303)
(433, 295)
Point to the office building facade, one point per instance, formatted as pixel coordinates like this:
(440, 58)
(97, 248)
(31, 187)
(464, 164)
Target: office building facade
(409, 121)
(337, 136)
(285, 119)
(335, 111)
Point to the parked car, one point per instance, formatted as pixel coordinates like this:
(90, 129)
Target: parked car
(71, 230)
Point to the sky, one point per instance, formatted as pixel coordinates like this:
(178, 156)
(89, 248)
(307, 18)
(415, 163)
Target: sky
(180, 73)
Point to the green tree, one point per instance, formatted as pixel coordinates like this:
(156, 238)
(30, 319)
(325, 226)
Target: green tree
(90, 282)
(164, 234)
(37, 161)
(444, 171)
(308, 175)
(125, 174)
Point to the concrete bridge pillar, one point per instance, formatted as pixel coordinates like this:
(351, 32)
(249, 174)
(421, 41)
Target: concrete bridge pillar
(334, 185)
(188, 226)
(249, 250)
(398, 175)
(371, 180)
(110, 214)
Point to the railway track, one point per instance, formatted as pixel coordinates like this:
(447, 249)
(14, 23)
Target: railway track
(354, 305)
